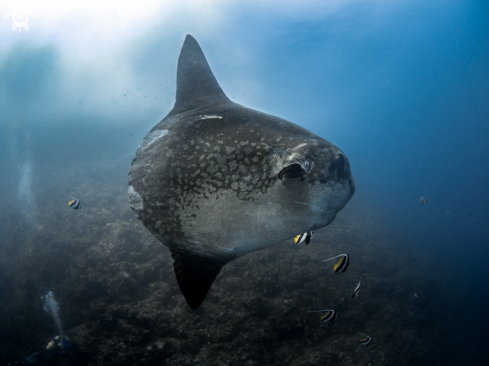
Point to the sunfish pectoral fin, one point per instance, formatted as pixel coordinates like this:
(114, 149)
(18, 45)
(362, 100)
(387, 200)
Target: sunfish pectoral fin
(195, 277)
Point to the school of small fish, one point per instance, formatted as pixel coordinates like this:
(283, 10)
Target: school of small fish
(330, 315)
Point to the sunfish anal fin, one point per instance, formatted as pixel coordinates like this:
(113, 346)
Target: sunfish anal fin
(195, 277)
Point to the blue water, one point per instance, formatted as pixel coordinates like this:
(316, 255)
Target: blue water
(401, 87)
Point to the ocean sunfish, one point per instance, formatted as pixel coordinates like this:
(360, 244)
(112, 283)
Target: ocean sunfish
(214, 180)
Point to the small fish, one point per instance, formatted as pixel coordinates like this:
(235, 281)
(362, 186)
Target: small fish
(367, 341)
(328, 316)
(342, 264)
(304, 238)
(422, 200)
(74, 202)
(415, 295)
(356, 292)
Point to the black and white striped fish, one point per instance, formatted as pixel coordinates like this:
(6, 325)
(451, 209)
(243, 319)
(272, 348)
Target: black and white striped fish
(328, 316)
(304, 238)
(342, 264)
(74, 202)
(367, 341)
(356, 292)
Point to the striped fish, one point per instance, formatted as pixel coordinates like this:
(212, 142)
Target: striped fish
(304, 238)
(74, 202)
(328, 316)
(342, 264)
(367, 341)
(356, 292)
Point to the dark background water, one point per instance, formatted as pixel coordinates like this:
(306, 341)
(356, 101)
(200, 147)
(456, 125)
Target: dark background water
(401, 87)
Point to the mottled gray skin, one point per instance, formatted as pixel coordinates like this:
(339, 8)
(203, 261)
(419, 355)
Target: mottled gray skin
(205, 180)
(210, 186)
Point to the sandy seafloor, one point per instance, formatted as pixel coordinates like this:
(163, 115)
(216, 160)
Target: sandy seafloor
(120, 303)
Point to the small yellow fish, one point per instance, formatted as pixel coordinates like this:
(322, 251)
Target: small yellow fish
(342, 264)
(304, 238)
(328, 316)
(367, 341)
(74, 202)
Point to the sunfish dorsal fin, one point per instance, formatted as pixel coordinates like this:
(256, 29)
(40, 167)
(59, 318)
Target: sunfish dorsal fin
(196, 84)
(195, 277)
